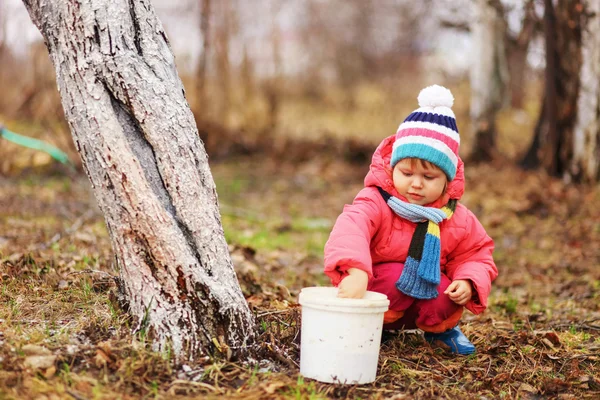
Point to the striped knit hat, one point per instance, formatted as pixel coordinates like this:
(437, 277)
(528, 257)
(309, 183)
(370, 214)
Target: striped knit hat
(430, 132)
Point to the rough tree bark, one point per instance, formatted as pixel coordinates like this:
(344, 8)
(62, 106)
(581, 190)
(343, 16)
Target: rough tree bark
(136, 135)
(552, 144)
(488, 77)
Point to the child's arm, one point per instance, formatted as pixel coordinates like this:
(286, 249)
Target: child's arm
(350, 240)
(472, 261)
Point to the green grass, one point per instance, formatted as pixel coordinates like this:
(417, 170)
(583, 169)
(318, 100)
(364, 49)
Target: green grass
(303, 391)
(276, 235)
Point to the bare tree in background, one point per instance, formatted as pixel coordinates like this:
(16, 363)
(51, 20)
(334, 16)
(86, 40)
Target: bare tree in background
(352, 57)
(567, 137)
(136, 135)
(272, 86)
(553, 144)
(225, 29)
(359, 41)
(3, 46)
(247, 77)
(2, 28)
(313, 36)
(38, 99)
(585, 163)
(201, 76)
(488, 76)
(517, 49)
(516, 44)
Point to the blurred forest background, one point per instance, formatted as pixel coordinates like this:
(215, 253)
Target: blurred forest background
(291, 97)
(264, 71)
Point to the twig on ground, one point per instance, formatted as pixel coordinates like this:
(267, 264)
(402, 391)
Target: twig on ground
(182, 382)
(272, 312)
(75, 395)
(583, 325)
(382, 390)
(487, 373)
(287, 361)
(93, 271)
(584, 356)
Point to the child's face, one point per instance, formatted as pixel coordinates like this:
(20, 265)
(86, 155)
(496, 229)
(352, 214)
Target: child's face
(420, 182)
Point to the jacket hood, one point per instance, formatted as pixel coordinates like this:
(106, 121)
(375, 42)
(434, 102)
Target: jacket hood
(380, 174)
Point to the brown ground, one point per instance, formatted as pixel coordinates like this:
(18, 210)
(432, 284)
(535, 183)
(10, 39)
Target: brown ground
(62, 337)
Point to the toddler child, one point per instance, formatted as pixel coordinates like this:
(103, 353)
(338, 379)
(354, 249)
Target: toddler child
(406, 236)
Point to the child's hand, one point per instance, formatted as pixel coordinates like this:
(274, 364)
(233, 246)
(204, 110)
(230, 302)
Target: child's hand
(460, 291)
(354, 286)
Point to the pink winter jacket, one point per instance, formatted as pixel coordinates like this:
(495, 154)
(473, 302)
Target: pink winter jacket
(368, 233)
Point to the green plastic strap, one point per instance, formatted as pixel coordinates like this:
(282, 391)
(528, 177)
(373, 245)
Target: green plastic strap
(35, 144)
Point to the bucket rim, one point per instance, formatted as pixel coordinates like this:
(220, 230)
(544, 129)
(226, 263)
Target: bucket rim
(327, 296)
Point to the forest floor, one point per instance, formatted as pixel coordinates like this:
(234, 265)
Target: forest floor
(61, 335)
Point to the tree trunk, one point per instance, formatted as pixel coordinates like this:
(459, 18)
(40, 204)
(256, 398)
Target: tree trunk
(488, 77)
(517, 49)
(531, 159)
(136, 135)
(585, 165)
(517, 63)
(552, 145)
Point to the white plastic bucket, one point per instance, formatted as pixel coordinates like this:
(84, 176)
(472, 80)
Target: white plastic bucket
(340, 338)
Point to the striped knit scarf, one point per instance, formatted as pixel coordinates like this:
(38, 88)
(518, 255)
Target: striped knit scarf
(421, 275)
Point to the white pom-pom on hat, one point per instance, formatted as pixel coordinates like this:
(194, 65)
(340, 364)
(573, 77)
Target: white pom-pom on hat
(435, 96)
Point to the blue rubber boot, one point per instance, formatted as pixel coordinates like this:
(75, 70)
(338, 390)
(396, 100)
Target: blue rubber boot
(453, 338)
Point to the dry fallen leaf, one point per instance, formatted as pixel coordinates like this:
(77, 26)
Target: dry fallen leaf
(35, 350)
(525, 387)
(272, 387)
(101, 359)
(49, 373)
(40, 362)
